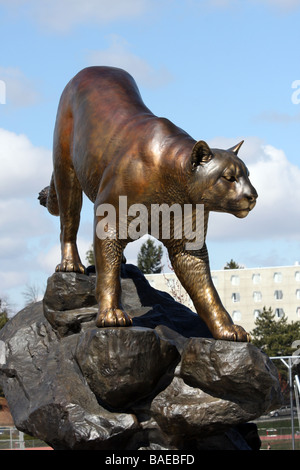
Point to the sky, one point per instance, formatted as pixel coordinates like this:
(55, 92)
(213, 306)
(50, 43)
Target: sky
(222, 70)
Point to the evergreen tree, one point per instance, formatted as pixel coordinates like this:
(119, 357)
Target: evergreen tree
(232, 265)
(149, 258)
(3, 313)
(3, 319)
(89, 256)
(275, 337)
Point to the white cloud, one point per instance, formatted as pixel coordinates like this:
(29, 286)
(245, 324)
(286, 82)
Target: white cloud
(25, 225)
(25, 169)
(277, 213)
(20, 91)
(48, 258)
(29, 235)
(26, 230)
(10, 279)
(62, 15)
(20, 219)
(118, 54)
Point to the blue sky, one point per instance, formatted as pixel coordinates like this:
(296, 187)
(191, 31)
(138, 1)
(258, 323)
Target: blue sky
(223, 70)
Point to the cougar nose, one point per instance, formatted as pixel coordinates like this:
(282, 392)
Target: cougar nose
(252, 198)
(251, 193)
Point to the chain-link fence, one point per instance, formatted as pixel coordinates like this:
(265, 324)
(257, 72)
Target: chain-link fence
(276, 433)
(11, 438)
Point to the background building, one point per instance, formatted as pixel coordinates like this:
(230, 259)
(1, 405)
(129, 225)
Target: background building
(245, 292)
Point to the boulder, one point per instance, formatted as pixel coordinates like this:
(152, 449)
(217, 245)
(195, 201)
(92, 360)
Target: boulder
(123, 365)
(163, 383)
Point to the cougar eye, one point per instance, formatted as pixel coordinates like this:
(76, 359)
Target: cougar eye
(230, 178)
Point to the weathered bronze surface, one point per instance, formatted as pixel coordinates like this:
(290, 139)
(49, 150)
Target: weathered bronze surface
(108, 144)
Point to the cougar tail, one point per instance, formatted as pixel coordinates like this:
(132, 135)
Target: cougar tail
(48, 198)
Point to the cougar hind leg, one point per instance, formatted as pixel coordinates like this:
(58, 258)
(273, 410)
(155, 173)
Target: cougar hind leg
(69, 196)
(68, 206)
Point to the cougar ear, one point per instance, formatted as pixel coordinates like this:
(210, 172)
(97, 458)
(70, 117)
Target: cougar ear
(201, 153)
(236, 148)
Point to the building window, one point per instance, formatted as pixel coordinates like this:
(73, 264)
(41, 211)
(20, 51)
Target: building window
(298, 312)
(277, 277)
(235, 280)
(297, 276)
(257, 297)
(278, 294)
(256, 313)
(279, 312)
(236, 315)
(256, 278)
(235, 297)
(298, 293)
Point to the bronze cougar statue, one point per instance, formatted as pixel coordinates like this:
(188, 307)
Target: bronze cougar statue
(108, 144)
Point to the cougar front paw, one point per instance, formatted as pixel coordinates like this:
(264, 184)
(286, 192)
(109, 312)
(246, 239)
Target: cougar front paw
(113, 317)
(232, 333)
(70, 266)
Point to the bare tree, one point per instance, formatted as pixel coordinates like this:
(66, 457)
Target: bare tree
(31, 294)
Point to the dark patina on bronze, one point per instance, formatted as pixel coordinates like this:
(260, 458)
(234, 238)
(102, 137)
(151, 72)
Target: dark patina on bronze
(108, 144)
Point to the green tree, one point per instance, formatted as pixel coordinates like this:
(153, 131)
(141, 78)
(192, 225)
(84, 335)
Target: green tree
(149, 258)
(3, 319)
(275, 337)
(232, 265)
(89, 256)
(3, 313)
